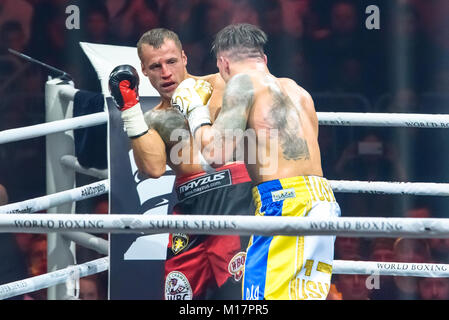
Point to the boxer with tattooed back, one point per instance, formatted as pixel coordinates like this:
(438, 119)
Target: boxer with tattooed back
(275, 121)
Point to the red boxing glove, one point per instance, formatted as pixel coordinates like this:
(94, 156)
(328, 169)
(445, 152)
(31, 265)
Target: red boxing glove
(124, 88)
(129, 96)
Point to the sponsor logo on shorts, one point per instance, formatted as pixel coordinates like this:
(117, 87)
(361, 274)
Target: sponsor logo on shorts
(204, 183)
(177, 287)
(179, 242)
(283, 194)
(236, 266)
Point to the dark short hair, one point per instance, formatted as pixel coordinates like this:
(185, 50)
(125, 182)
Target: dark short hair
(243, 40)
(156, 38)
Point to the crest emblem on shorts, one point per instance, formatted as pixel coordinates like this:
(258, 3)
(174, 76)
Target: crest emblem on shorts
(179, 242)
(236, 266)
(177, 287)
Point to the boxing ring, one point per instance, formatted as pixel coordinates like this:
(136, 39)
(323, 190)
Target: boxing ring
(21, 216)
(66, 229)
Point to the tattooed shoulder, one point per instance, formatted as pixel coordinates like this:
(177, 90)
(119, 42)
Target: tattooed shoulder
(165, 122)
(285, 117)
(238, 98)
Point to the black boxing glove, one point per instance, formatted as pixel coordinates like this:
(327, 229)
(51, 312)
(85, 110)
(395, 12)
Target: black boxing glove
(124, 87)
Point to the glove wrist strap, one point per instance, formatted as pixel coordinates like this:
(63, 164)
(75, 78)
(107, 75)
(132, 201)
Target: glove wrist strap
(198, 117)
(134, 121)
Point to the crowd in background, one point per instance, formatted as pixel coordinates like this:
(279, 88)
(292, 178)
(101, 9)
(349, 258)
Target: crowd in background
(323, 45)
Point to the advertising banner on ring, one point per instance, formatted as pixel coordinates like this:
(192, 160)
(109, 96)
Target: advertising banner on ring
(136, 269)
(136, 260)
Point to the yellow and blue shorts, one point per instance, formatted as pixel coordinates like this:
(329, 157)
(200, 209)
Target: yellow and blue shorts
(291, 267)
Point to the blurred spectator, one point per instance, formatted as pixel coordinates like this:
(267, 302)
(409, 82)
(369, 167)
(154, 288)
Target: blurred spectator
(410, 251)
(334, 294)
(418, 212)
(352, 286)
(12, 36)
(433, 288)
(440, 249)
(404, 49)
(339, 54)
(131, 18)
(244, 11)
(381, 250)
(35, 247)
(38, 255)
(102, 205)
(346, 248)
(371, 158)
(216, 17)
(13, 263)
(96, 24)
(91, 288)
(17, 10)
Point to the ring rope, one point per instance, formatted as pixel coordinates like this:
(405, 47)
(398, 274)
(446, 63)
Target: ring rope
(339, 267)
(324, 118)
(429, 270)
(226, 225)
(380, 187)
(88, 241)
(47, 128)
(404, 120)
(50, 279)
(71, 162)
(43, 203)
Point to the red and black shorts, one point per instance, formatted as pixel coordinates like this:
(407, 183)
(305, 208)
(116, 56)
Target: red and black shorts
(207, 266)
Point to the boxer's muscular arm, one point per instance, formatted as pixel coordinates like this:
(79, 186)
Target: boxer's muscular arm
(150, 150)
(149, 154)
(238, 99)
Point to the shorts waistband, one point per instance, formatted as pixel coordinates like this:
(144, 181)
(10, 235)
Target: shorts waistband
(237, 171)
(196, 184)
(312, 187)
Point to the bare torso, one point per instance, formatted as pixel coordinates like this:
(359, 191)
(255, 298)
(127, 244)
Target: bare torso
(285, 124)
(182, 156)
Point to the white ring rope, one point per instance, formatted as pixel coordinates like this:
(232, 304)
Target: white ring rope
(405, 120)
(339, 267)
(44, 129)
(225, 225)
(53, 278)
(429, 270)
(88, 241)
(325, 118)
(43, 203)
(379, 187)
(72, 163)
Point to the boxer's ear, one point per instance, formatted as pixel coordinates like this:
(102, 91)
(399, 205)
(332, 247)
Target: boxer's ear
(144, 71)
(184, 58)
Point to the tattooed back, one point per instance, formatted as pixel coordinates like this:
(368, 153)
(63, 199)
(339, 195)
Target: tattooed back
(285, 126)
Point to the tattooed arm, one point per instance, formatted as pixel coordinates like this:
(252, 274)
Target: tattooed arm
(150, 149)
(238, 98)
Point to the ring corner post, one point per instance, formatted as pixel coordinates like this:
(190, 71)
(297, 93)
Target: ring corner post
(59, 96)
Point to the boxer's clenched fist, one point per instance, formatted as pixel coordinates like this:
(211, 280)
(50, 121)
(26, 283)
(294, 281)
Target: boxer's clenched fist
(191, 98)
(124, 89)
